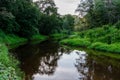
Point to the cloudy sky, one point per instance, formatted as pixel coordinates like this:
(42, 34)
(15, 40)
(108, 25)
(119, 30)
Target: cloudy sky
(66, 6)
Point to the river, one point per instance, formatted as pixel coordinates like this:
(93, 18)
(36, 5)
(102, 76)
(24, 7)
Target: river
(50, 61)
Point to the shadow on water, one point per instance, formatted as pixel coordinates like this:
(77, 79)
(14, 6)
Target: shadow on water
(49, 61)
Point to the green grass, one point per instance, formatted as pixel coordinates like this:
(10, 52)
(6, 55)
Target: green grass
(9, 69)
(11, 40)
(38, 38)
(106, 38)
(8, 65)
(115, 47)
(76, 42)
(58, 36)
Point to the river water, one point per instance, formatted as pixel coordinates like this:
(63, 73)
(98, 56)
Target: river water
(50, 61)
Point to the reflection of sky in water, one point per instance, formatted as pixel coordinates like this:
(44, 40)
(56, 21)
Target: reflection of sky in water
(56, 63)
(66, 69)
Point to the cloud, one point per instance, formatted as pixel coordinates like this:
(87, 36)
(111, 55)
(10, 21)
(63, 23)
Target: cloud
(68, 1)
(66, 6)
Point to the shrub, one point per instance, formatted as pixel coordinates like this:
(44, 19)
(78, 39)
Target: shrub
(8, 65)
(99, 46)
(8, 23)
(117, 25)
(59, 36)
(115, 47)
(76, 42)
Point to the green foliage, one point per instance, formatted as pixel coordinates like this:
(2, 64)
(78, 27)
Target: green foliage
(8, 4)
(59, 36)
(27, 19)
(115, 47)
(7, 22)
(101, 12)
(22, 18)
(106, 38)
(38, 38)
(44, 8)
(76, 42)
(68, 23)
(49, 24)
(10, 39)
(117, 25)
(106, 34)
(8, 65)
(8, 73)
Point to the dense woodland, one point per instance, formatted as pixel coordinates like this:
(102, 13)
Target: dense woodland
(26, 18)
(97, 26)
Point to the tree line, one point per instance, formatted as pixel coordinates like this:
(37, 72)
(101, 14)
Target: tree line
(96, 13)
(26, 18)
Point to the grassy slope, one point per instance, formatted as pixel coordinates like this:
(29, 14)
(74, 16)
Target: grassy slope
(38, 38)
(58, 36)
(106, 38)
(8, 64)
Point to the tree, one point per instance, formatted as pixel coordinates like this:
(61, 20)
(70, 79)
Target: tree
(68, 23)
(47, 6)
(98, 13)
(7, 22)
(8, 4)
(84, 7)
(27, 17)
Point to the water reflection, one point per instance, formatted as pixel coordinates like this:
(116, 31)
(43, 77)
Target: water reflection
(96, 68)
(39, 59)
(49, 61)
(81, 65)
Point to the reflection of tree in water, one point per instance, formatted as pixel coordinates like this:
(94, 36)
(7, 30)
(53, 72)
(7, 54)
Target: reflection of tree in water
(96, 68)
(83, 68)
(43, 62)
(48, 63)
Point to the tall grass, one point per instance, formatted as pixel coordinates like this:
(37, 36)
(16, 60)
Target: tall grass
(8, 65)
(106, 38)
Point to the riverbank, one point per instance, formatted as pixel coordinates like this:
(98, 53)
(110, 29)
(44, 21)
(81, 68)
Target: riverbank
(58, 36)
(105, 39)
(8, 64)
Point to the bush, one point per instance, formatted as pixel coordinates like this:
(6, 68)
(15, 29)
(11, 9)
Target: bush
(59, 36)
(115, 47)
(8, 23)
(76, 42)
(8, 65)
(7, 73)
(117, 25)
(106, 38)
(99, 46)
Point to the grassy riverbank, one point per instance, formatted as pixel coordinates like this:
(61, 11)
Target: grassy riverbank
(106, 38)
(58, 36)
(8, 64)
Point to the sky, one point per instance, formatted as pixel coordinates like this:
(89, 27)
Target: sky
(66, 6)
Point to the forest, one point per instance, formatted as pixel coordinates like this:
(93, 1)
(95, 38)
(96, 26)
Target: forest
(96, 27)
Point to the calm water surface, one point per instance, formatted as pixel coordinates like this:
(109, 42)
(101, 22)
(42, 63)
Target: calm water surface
(49, 61)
